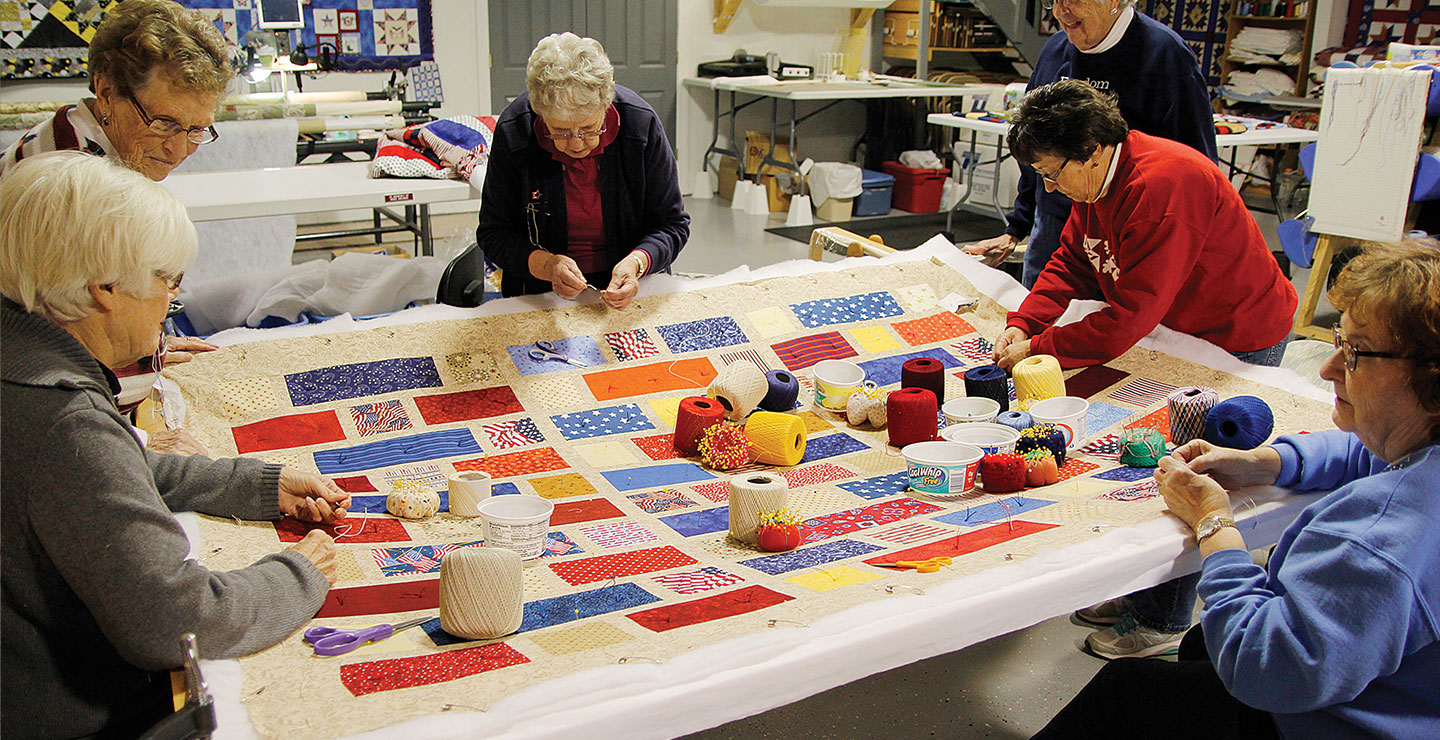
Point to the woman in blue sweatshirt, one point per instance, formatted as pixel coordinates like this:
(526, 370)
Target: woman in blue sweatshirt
(1340, 635)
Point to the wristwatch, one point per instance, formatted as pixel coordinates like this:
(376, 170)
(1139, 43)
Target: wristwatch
(1210, 525)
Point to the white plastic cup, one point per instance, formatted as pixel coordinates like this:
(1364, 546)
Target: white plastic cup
(467, 490)
(944, 468)
(991, 438)
(835, 380)
(1068, 414)
(970, 409)
(517, 523)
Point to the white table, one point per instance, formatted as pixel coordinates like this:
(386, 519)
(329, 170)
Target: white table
(281, 191)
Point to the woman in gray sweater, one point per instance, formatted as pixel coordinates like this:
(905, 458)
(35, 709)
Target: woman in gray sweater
(97, 587)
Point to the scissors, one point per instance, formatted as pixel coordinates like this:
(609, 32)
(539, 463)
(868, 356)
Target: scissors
(545, 350)
(920, 566)
(330, 641)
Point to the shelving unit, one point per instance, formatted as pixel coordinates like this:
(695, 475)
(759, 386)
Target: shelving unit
(954, 28)
(1300, 19)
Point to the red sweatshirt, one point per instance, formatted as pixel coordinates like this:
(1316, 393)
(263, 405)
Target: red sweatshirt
(1169, 243)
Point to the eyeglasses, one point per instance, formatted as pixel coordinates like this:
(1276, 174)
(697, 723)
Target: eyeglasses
(168, 127)
(172, 282)
(558, 138)
(1050, 4)
(1352, 355)
(1052, 179)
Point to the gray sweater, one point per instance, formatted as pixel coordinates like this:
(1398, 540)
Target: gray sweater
(96, 585)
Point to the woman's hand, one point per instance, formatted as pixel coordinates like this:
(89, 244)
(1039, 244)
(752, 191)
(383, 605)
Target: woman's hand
(992, 251)
(183, 349)
(1012, 346)
(1189, 495)
(311, 497)
(1232, 469)
(175, 442)
(564, 275)
(319, 548)
(624, 282)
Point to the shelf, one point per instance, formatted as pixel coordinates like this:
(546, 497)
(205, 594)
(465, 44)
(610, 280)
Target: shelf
(1300, 19)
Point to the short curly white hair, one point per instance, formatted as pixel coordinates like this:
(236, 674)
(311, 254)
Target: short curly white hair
(69, 220)
(569, 77)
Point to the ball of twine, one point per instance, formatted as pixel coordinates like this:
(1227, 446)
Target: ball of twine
(482, 595)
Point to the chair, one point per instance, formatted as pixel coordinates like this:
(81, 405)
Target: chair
(195, 718)
(463, 283)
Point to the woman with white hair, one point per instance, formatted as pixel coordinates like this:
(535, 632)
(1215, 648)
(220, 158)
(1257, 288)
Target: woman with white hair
(581, 191)
(97, 583)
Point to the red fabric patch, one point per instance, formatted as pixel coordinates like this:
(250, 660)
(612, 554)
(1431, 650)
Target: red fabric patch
(1092, 380)
(538, 460)
(1074, 467)
(347, 530)
(386, 598)
(937, 328)
(696, 372)
(874, 515)
(964, 544)
(717, 491)
(620, 565)
(814, 475)
(423, 670)
(574, 512)
(1158, 419)
(356, 484)
(719, 606)
(466, 405)
(658, 447)
(298, 430)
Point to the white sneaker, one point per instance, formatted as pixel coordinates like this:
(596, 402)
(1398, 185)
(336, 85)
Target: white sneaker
(1105, 613)
(1129, 640)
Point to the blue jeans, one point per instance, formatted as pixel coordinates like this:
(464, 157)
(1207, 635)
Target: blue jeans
(1044, 239)
(1268, 357)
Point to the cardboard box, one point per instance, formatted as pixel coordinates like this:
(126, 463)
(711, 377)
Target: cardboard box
(757, 145)
(902, 29)
(729, 174)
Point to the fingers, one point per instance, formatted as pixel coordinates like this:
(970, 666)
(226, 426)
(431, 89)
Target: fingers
(566, 278)
(190, 344)
(173, 357)
(621, 291)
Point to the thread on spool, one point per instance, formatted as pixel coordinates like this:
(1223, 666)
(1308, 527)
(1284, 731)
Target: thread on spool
(724, 447)
(1017, 419)
(739, 388)
(782, 390)
(924, 372)
(1043, 437)
(1241, 423)
(1188, 408)
(988, 381)
(692, 417)
(1037, 378)
(775, 438)
(913, 416)
(482, 594)
(1142, 447)
(467, 490)
(751, 494)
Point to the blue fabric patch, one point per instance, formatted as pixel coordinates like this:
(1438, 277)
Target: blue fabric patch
(373, 504)
(692, 523)
(602, 421)
(1126, 473)
(398, 451)
(995, 511)
(561, 609)
(694, 336)
(880, 486)
(654, 476)
(861, 307)
(810, 557)
(576, 348)
(886, 370)
(503, 489)
(831, 445)
(1102, 415)
(362, 379)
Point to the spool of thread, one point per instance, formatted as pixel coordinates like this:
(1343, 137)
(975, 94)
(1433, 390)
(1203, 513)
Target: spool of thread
(914, 416)
(924, 372)
(1019, 420)
(751, 494)
(783, 389)
(1037, 378)
(467, 489)
(739, 388)
(1043, 437)
(1142, 447)
(775, 438)
(988, 381)
(413, 503)
(1188, 407)
(691, 418)
(481, 592)
(1242, 423)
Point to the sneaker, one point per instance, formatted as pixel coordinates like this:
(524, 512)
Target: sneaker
(1129, 640)
(1105, 613)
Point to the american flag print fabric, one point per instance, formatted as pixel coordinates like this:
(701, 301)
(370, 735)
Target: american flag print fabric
(975, 351)
(1137, 492)
(632, 344)
(377, 418)
(417, 560)
(515, 433)
(1107, 447)
(619, 534)
(661, 501)
(1143, 392)
(696, 581)
(826, 311)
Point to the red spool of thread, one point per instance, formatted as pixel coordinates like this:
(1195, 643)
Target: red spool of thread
(694, 415)
(913, 415)
(924, 372)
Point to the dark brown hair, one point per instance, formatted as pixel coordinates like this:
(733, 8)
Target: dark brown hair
(1066, 119)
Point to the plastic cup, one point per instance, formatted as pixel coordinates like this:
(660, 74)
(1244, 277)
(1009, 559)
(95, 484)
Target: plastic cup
(835, 380)
(1067, 413)
(990, 437)
(517, 523)
(970, 409)
(944, 468)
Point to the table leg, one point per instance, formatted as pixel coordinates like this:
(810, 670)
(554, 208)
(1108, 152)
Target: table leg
(969, 183)
(427, 242)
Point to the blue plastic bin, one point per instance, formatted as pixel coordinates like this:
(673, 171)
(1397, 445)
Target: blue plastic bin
(876, 189)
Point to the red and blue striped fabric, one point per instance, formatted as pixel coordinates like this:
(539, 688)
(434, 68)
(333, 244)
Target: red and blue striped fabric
(798, 354)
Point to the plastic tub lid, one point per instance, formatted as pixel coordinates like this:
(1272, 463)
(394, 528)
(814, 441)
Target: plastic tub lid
(871, 178)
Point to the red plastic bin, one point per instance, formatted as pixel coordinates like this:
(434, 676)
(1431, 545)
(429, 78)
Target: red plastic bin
(916, 190)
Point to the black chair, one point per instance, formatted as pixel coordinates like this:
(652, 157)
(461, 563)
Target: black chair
(463, 283)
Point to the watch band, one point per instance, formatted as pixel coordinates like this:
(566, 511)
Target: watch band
(1210, 525)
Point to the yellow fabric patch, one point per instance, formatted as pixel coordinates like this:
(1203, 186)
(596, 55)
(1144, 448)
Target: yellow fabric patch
(915, 298)
(553, 393)
(346, 568)
(877, 462)
(578, 639)
(727, 548)
(607, 454)
(532, 580)
(814, 422)
(771, 322)
(562, 486)
(875, 339)
(1078, 488)
(824, 580)
(667, 409)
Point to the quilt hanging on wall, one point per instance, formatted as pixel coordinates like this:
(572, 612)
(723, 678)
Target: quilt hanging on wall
(50, 38)
(1201, 23)
(1372, 22)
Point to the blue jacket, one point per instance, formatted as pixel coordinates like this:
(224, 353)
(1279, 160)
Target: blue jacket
(1341, 638)
(1161, 92)
(523, 200)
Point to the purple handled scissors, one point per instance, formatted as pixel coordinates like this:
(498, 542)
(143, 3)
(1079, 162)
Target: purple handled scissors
(330, 641)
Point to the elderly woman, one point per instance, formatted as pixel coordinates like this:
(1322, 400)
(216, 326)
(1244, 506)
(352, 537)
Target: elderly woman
(97, 584)
(1159, 234)
(581, 190)
(1120, 51)
(1339, 636)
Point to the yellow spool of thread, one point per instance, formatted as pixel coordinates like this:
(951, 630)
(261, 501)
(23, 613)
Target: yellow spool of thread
(775, 438)
(1037, 378)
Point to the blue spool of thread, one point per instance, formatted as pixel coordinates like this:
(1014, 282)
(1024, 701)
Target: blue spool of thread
(1016, 420)
(1241, 423)
(784, 389)
(988, 381)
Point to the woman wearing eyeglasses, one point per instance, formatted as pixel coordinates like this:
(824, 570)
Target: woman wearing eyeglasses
(1123, 52)
(1339, 635)
(581, 191)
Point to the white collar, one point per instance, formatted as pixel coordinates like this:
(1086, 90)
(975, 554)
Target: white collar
(1109, 176)
(1116, 32)
(85, 124)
